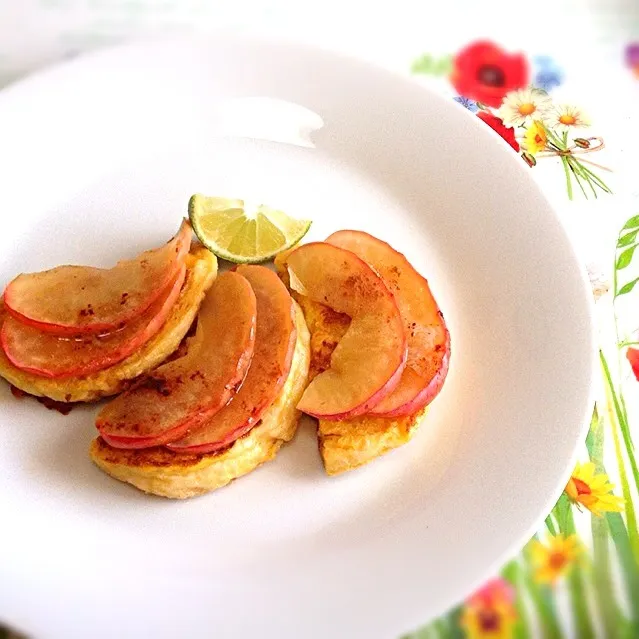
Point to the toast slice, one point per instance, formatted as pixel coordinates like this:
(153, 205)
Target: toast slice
(176, 475)
(201, 272)
(347, 444)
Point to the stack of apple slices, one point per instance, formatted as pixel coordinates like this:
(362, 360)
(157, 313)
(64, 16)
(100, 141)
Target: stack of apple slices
(233, 370)
(72, 321)
(373, 375)
(393, 359)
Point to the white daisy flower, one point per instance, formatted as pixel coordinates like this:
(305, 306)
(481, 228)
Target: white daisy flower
(521, 107)
(566, 118)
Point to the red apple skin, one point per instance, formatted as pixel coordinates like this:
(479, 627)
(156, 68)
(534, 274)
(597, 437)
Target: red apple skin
(275, 338)
(368, 362)
(95, 304)
(427, 334)
(425, 396)
(185, 392)
(89, 354)
(369, 404)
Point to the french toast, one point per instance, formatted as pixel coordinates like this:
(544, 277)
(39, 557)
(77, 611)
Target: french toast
(201, 272)
(345, 444)
(180, 475)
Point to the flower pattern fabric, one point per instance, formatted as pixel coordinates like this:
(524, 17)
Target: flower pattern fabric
(486, 73)
(579, 574)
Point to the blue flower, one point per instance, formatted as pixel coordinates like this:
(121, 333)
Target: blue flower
(548, 74)
(471, 105)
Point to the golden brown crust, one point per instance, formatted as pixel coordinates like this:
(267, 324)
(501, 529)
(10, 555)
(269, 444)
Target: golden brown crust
(201, 271)
(181, 475)
(347, 444)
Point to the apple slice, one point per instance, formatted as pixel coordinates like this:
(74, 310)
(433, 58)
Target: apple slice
(275, 337)
(427, 336)
(47, 355)
(367, 363)
(68, 300)
(185, 392)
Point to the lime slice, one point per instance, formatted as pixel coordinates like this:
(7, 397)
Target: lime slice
(240, 233)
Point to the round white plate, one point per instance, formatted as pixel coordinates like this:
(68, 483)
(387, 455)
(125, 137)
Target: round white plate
(97, 161)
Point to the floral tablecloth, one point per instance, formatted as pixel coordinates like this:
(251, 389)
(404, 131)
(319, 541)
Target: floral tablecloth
(559, 81)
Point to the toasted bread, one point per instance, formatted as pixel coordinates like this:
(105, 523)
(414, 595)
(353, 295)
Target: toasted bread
(347, 444)
(201, 271)
(181, 475)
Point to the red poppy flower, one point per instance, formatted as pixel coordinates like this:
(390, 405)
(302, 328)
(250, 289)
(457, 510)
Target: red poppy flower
(497, 125)
(485, 73)
(632, 354)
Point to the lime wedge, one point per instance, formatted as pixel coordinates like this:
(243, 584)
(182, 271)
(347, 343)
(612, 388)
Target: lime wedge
(240, 233)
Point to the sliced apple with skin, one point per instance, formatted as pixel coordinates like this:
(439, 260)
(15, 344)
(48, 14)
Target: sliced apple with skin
(367, 363)
(47, 355)
(68, 300)
(275, 337)
(427, 335)
(185, 392)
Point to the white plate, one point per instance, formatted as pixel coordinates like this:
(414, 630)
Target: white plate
(98, 159)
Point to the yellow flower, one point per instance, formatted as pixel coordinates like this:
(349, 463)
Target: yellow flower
(552, 561)
(490, 613)
(592, 491)
(567, 118)
(535, 139)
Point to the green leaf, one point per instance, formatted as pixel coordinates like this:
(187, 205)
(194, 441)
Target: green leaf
(543, 602)
(595, 439)
(428, 632)
(423, 64)
(577, 583)
(611, 615)
(441, 628)
(577, 179)
(513, 574)
(625, 258)
(429, 65)
(556, 140)
(613, 400)
(568, 180)
(632, 223)
(562, 512)
(444, 66)
(628, 563)
(594, 177)
(579, 170)
(628, 238)
(454, 623)
(626, 288)
(579, 602)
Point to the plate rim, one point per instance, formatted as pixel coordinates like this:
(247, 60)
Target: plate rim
(48, 72)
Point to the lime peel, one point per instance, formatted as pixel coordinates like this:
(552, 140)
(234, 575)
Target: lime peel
(225, 228)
